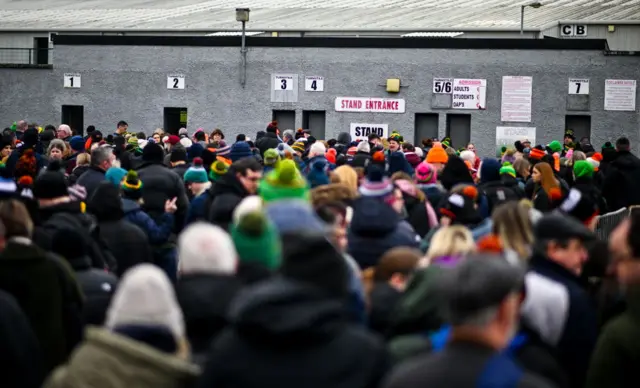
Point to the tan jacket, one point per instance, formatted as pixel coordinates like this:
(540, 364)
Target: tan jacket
(108, 360)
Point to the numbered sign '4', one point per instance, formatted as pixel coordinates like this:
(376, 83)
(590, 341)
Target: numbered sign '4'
(314, 84)
(176, 82)
(578, 86)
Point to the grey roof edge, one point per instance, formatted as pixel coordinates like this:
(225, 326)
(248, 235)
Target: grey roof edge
(206, 31)
(590, 22)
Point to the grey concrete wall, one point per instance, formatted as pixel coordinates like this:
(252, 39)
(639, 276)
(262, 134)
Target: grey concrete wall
(126, 82)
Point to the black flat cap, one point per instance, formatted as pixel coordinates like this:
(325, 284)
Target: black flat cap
(557, 226)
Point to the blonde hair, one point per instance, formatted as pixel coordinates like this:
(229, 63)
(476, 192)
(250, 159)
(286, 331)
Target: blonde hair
(511, 222)
(16, 219)
(347, 177)
(83, 159)
(455, 240)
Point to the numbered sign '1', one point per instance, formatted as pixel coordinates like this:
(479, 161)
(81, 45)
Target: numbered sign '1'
(283, 82)
(175, 81)
(72, 80)
(442, 85)
(314, 84)
(578, 86)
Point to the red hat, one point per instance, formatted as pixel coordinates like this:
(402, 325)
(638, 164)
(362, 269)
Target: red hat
(173, 140)
(536, 154)
(352, 151)
(597, 157)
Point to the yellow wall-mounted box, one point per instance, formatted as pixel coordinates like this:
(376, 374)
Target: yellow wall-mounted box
(611, 28)
(393, 85)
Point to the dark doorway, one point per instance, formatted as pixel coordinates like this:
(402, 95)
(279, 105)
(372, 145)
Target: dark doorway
(580, 124)
(174, 119)
(314, 120)
(73, 116)
(41, 46)
(459, 129)
(286, 119)
(425, 127)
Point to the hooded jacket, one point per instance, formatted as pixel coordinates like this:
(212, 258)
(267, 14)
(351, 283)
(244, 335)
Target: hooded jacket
(225, 195)
(91, 178)
(159, 233)
(621, 187)
(376, 228)
(127, 242)
(311, 344)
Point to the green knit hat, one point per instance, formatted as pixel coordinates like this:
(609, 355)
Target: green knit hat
(196, 173)
(555, 146)
(507, 168)
(284, 182)
(396, 136)
(271, 156)
(582, 168)
(257, 240)
(218, 168)
(132, 186)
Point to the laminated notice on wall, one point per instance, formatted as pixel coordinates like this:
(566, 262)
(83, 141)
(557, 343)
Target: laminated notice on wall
(469, 94)
(516, 99)
(361, 131)
(620, 95)
(507, 136)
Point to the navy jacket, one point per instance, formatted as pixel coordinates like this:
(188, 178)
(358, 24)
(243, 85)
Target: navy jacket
(157, 233)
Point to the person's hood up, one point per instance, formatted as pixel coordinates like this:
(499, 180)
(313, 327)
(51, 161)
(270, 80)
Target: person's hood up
(397, 162)
(372, 217)
(344, 138)
(419, 308)
(105, 203)
(455, 172)
(304, 315)
(413, 159)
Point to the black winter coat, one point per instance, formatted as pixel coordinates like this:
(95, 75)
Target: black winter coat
(285, 334)
(21, 356)
(205, 299)
(621, 187)
(361, 159)
(269, 140)
(90, 179)
(127, 242)
(97, 286)
(159, 184)
(497, 193)
(226, 194)
(47, 292)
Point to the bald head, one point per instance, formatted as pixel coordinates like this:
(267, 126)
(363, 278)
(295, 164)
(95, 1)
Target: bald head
(22, 125)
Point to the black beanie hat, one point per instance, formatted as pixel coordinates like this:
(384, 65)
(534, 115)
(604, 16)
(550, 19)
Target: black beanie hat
(580, 205)
(310, 258)
(152, 152)
(30, 137)
(178, 154)
(69, 243)
(50, 183)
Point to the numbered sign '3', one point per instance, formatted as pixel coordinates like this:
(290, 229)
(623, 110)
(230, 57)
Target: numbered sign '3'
(283, 82)
(176, 81)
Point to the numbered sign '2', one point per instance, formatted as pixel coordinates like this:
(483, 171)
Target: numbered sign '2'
(72, 80)
(175, 81)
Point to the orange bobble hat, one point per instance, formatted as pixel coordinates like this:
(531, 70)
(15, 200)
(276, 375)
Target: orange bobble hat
(331, 155)
(437, 154)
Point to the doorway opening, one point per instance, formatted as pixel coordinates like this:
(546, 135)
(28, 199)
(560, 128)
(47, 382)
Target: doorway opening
(459, 129)
(41, 46)
(73, 116)
(580, 124)
(286, 119)
(314, 121)
(425, 127)
(174, 119)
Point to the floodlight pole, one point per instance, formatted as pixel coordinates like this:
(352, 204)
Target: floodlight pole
(243, 52)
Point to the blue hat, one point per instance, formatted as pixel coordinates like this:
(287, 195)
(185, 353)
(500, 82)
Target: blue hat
(195, 151)
(115, 175)
(294, 216)
(196, 173)
(239, 150)
(77, 143)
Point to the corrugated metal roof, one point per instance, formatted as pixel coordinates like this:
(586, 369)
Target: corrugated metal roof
(235, 33)
(304, 15)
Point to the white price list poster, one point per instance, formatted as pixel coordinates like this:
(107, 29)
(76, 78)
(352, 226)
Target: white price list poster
(620, 95)
(516, 99)
(469, 94)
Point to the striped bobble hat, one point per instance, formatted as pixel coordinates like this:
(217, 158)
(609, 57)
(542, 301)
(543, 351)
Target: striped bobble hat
(196, 173)
(218, 168)
(132, 186)
(376, 184)
(298, 146)
(507, 169)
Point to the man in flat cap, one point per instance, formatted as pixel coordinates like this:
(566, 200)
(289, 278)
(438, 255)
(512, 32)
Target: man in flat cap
(482, 298)
(559, 255)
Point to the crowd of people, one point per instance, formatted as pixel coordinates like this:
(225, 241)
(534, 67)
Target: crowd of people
(192, 260)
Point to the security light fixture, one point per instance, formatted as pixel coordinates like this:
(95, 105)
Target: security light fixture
(242, 15)
(535, 4)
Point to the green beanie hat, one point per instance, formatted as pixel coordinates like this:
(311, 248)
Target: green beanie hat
(555, 146)
(270, 157)
(284, 182)
(507, 169)
(132, 186)
(396, 136)
(257, 240)
(582, 168)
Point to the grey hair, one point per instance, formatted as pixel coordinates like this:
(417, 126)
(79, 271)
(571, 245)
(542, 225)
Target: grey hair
(100, 155)
(289, 133)
(479, 318)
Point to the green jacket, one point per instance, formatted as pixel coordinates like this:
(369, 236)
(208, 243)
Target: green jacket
(109, 360)
(617, 354)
